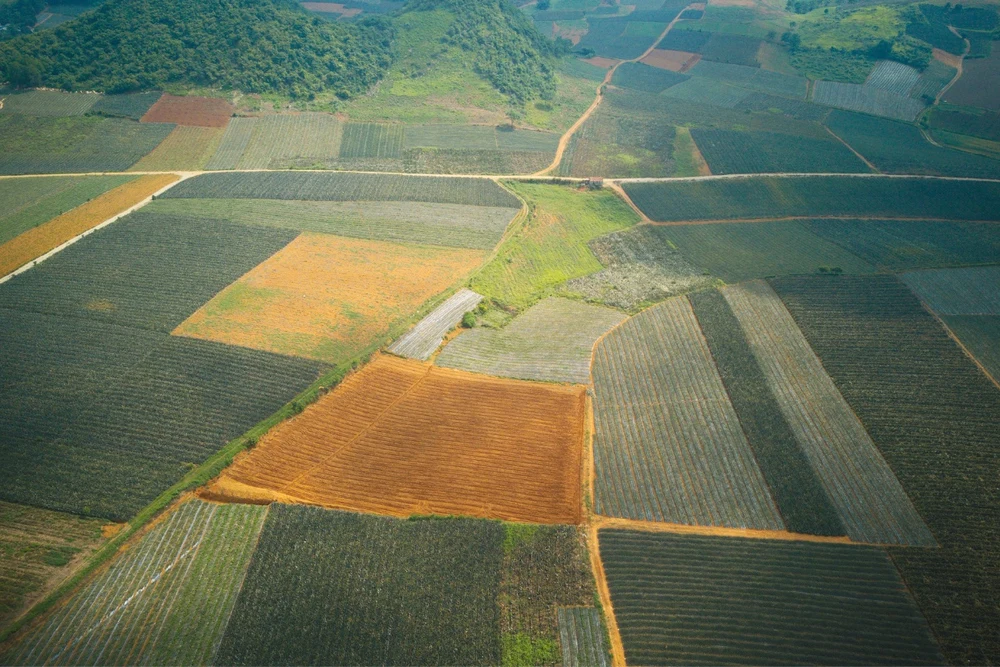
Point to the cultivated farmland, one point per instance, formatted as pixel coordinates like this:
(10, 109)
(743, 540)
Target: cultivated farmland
(436, 440)
(971, 291)
(729, 152)
(893, 76)
(196, 111)
(869, 499)
(140, 609)
(426, 337)
(980, 334)
(347, 187)
(668, 445)
(36, 546)
(803, 196)
(872, 334)
(131, 105)
(279, 142)
(977, 86)
(553, 340)
(40, 239)
(867, 98)
(582, 637)
(327, 297)
(742, 251)
(185, 149)
(49, 103)
(371, 140)
(709, 600)
(456, 225)
(642, 266)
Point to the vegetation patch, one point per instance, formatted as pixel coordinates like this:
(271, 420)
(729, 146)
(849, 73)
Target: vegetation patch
(434, 440)
(190, 565)
(668, 445)
(371, 140)
(867, 99)
(128, 105)
(688, 598)
(618, 143)
(645, 77)
(969, 291)
(979, 85)
(980, 334)
(426, 337)
(49, 103)
(728, 152)
(184, 149)
(279, 142)
(326, 297)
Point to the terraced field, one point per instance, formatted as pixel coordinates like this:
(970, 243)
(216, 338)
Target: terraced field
(139, 610)
(551, 341)
(407, 427)
(668, 445)
(726, 601)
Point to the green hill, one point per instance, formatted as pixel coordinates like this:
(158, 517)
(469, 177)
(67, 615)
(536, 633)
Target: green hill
(256, 46)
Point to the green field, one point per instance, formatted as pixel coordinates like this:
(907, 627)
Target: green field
(971, 291)
(870, 334)
(869, 99)
(552, 247)
(710, 600)
(279, 142)
(766, 197)
(131, 105)
(371, 140)
(621, 144)
(27, 203)
(49, 103)
(980, 334)
(728, 152)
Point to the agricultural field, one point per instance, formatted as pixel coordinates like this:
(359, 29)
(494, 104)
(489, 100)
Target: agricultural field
(646, 78)
(582, 638)
(900, 148)
(187, 148)
(551, 341)
(552, 246)
(49, 103)
(900, 245)
(130, 105)
(434, 440)
(38, 547)
(371, 140)
(728, 152)
(811, 197)
(620, 144)
(932, 81)
(453, 591)
(328, 298)
(346, 187)
(747, 601)
(753, 78)
(675, 61)
(426, 336)
(41, 238)
(979, 85)
(193, 111)
(869, 98)
(741, 251)
(279, 142)
(85, 144)
(190, 565)
(893, 77)
(640, 267)
(980, 335)
(870, 333)
(430, 223)
(971, 291)
(870, 502)
(967, 121)
(668, 445)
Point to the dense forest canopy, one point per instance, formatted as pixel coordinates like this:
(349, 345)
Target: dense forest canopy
(256, 46)
(509, 52)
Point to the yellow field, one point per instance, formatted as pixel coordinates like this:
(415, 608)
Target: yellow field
(38, 241)
(328, 297)
(186, 148)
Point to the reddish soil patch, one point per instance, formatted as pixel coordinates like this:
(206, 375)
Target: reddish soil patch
(332, 8)
(948, 59)
(675, 61)
(197, 111)
(605, 63)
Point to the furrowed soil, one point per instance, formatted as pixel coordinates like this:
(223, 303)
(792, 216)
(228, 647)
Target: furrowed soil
(327, 297)
(431, 441)
(38, 241)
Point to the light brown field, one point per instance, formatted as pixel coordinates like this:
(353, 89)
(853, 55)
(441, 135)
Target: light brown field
(948, 59)
(328, 297)
(332, 8)
(199, 111)
(600, 61)
(675, 61)
(37, 241)
(402, 437)
(186, 148)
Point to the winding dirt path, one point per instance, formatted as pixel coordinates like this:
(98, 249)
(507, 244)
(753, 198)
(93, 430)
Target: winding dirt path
(599, 97)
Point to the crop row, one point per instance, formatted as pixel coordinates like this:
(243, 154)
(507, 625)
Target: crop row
(733, 152)
(867, 99)
(49, 103)
(422, 340)
(346, 187)
(668, 444)
(553, 340)
(715, 600)
(582, 638)
(140, 609)
(971, 291)
(754, 78)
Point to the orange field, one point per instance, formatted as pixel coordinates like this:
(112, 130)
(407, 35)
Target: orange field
(186, 148)
(198, 111)
(36, 242)
(328, 297)
(401, 437)
(675, 61)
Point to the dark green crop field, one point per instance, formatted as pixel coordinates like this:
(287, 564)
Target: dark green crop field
(814, 196)
(935, 418)
(129, 105)
(328, 587)
(685, 599)
(794, 485)
(148, 271)
(729, 152)
(980, 334)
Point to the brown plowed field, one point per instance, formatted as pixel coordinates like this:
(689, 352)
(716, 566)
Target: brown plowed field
(328, 297)
(600, 61)
(675, 61)
(402, 437)
(332, 8)
(36, 242)
(198, 111)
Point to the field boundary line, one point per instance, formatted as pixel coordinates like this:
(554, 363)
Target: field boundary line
(796, 218)
(604, 592)
(620, 191)
(55, 251)
(954, 337)
(852, 149)
(601, 522)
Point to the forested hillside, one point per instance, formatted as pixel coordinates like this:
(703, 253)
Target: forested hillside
(257, 46)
